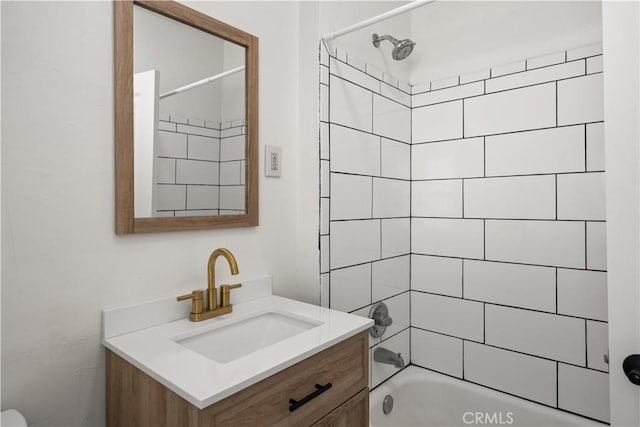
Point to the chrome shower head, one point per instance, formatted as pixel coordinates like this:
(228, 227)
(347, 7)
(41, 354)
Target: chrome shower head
(401, 48)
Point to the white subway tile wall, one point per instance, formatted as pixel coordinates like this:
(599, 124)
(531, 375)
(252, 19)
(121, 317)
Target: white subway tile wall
(399, 343)
(351, 287)
(395, 237)
(353, 151)
(202, 197)
(365, 189)
(199, 170)
(350, 105)
(450, 94)
(445, 83)
(583, 391)
(389, 277)
(581, 196)
(526, 376)
(165, 170)
(510, 110)
(597, 345)
(446, 315)
(391, 92)
(543, 61)
(493, 215)
(594, 65)
(437, 122)
(351, 196)
(460, 238)
(439, 352)
(580, 100)
(436, 275)
(541, 75)
(582, 293)
(172, 145)
(324, 290)
(232, 198)
(391, 198)
(510, 68)
(546, 151)
(354, 242)
(391, 119)
(460, 158)
(399, 305)
(596, 246)
(503, 197)
(553, 243)
(171, 197)
(539, 334)
(475, 76)
(203, 148)
(532, 176)
(395, 159)
(441, 198)
(595, 147)
(515, 285)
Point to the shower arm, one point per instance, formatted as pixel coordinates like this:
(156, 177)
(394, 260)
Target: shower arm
(377, 39)
(386, 15)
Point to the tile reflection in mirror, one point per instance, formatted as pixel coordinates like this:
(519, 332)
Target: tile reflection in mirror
(189, 120)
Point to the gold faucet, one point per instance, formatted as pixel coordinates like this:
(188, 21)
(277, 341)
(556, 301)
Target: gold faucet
(213, 310)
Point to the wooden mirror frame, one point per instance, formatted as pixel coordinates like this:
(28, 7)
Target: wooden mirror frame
(126, 223)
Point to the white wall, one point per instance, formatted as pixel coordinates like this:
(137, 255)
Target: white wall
(0, 194)
(621, 25)
(458, 37)
(182, 55)
(62, 262)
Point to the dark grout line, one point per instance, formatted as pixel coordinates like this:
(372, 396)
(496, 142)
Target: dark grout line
(504, 133)
(506, 349)
(370, 90)
(506, 262)
(515, 307)
(505, 176)
(367, 132)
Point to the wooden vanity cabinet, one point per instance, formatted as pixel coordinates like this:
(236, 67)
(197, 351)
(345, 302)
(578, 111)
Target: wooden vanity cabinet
(135, 399)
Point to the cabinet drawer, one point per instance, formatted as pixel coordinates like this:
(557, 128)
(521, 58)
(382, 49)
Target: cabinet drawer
(344, 366)
(352, 413)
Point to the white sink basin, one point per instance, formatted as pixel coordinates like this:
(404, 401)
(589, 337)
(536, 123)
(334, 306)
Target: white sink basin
(233, 341)
(205, 362)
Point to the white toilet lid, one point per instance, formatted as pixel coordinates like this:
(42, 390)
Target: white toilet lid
(12, 418)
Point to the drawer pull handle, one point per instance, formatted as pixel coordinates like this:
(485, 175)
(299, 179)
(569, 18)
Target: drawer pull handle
(295, 404)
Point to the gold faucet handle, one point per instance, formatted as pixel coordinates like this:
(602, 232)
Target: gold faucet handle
(225, 293)
(196, 304)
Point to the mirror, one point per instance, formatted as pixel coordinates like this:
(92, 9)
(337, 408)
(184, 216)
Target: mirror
(186, 120)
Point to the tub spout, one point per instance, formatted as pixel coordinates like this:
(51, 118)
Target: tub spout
(383, 355)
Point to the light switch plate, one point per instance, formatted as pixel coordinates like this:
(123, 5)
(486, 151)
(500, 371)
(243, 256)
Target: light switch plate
(272, 161)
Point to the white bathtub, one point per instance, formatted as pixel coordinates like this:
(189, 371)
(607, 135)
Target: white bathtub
(426, 398)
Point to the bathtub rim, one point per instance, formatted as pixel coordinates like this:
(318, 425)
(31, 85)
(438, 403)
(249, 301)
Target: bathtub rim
(414, 368)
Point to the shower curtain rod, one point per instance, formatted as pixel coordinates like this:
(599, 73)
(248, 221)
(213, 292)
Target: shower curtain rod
(202, 82)
(386, 15)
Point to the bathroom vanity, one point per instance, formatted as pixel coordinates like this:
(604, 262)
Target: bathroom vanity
(272, 361)
(134, 398)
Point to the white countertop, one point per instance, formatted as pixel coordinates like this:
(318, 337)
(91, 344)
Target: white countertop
(202, 381)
